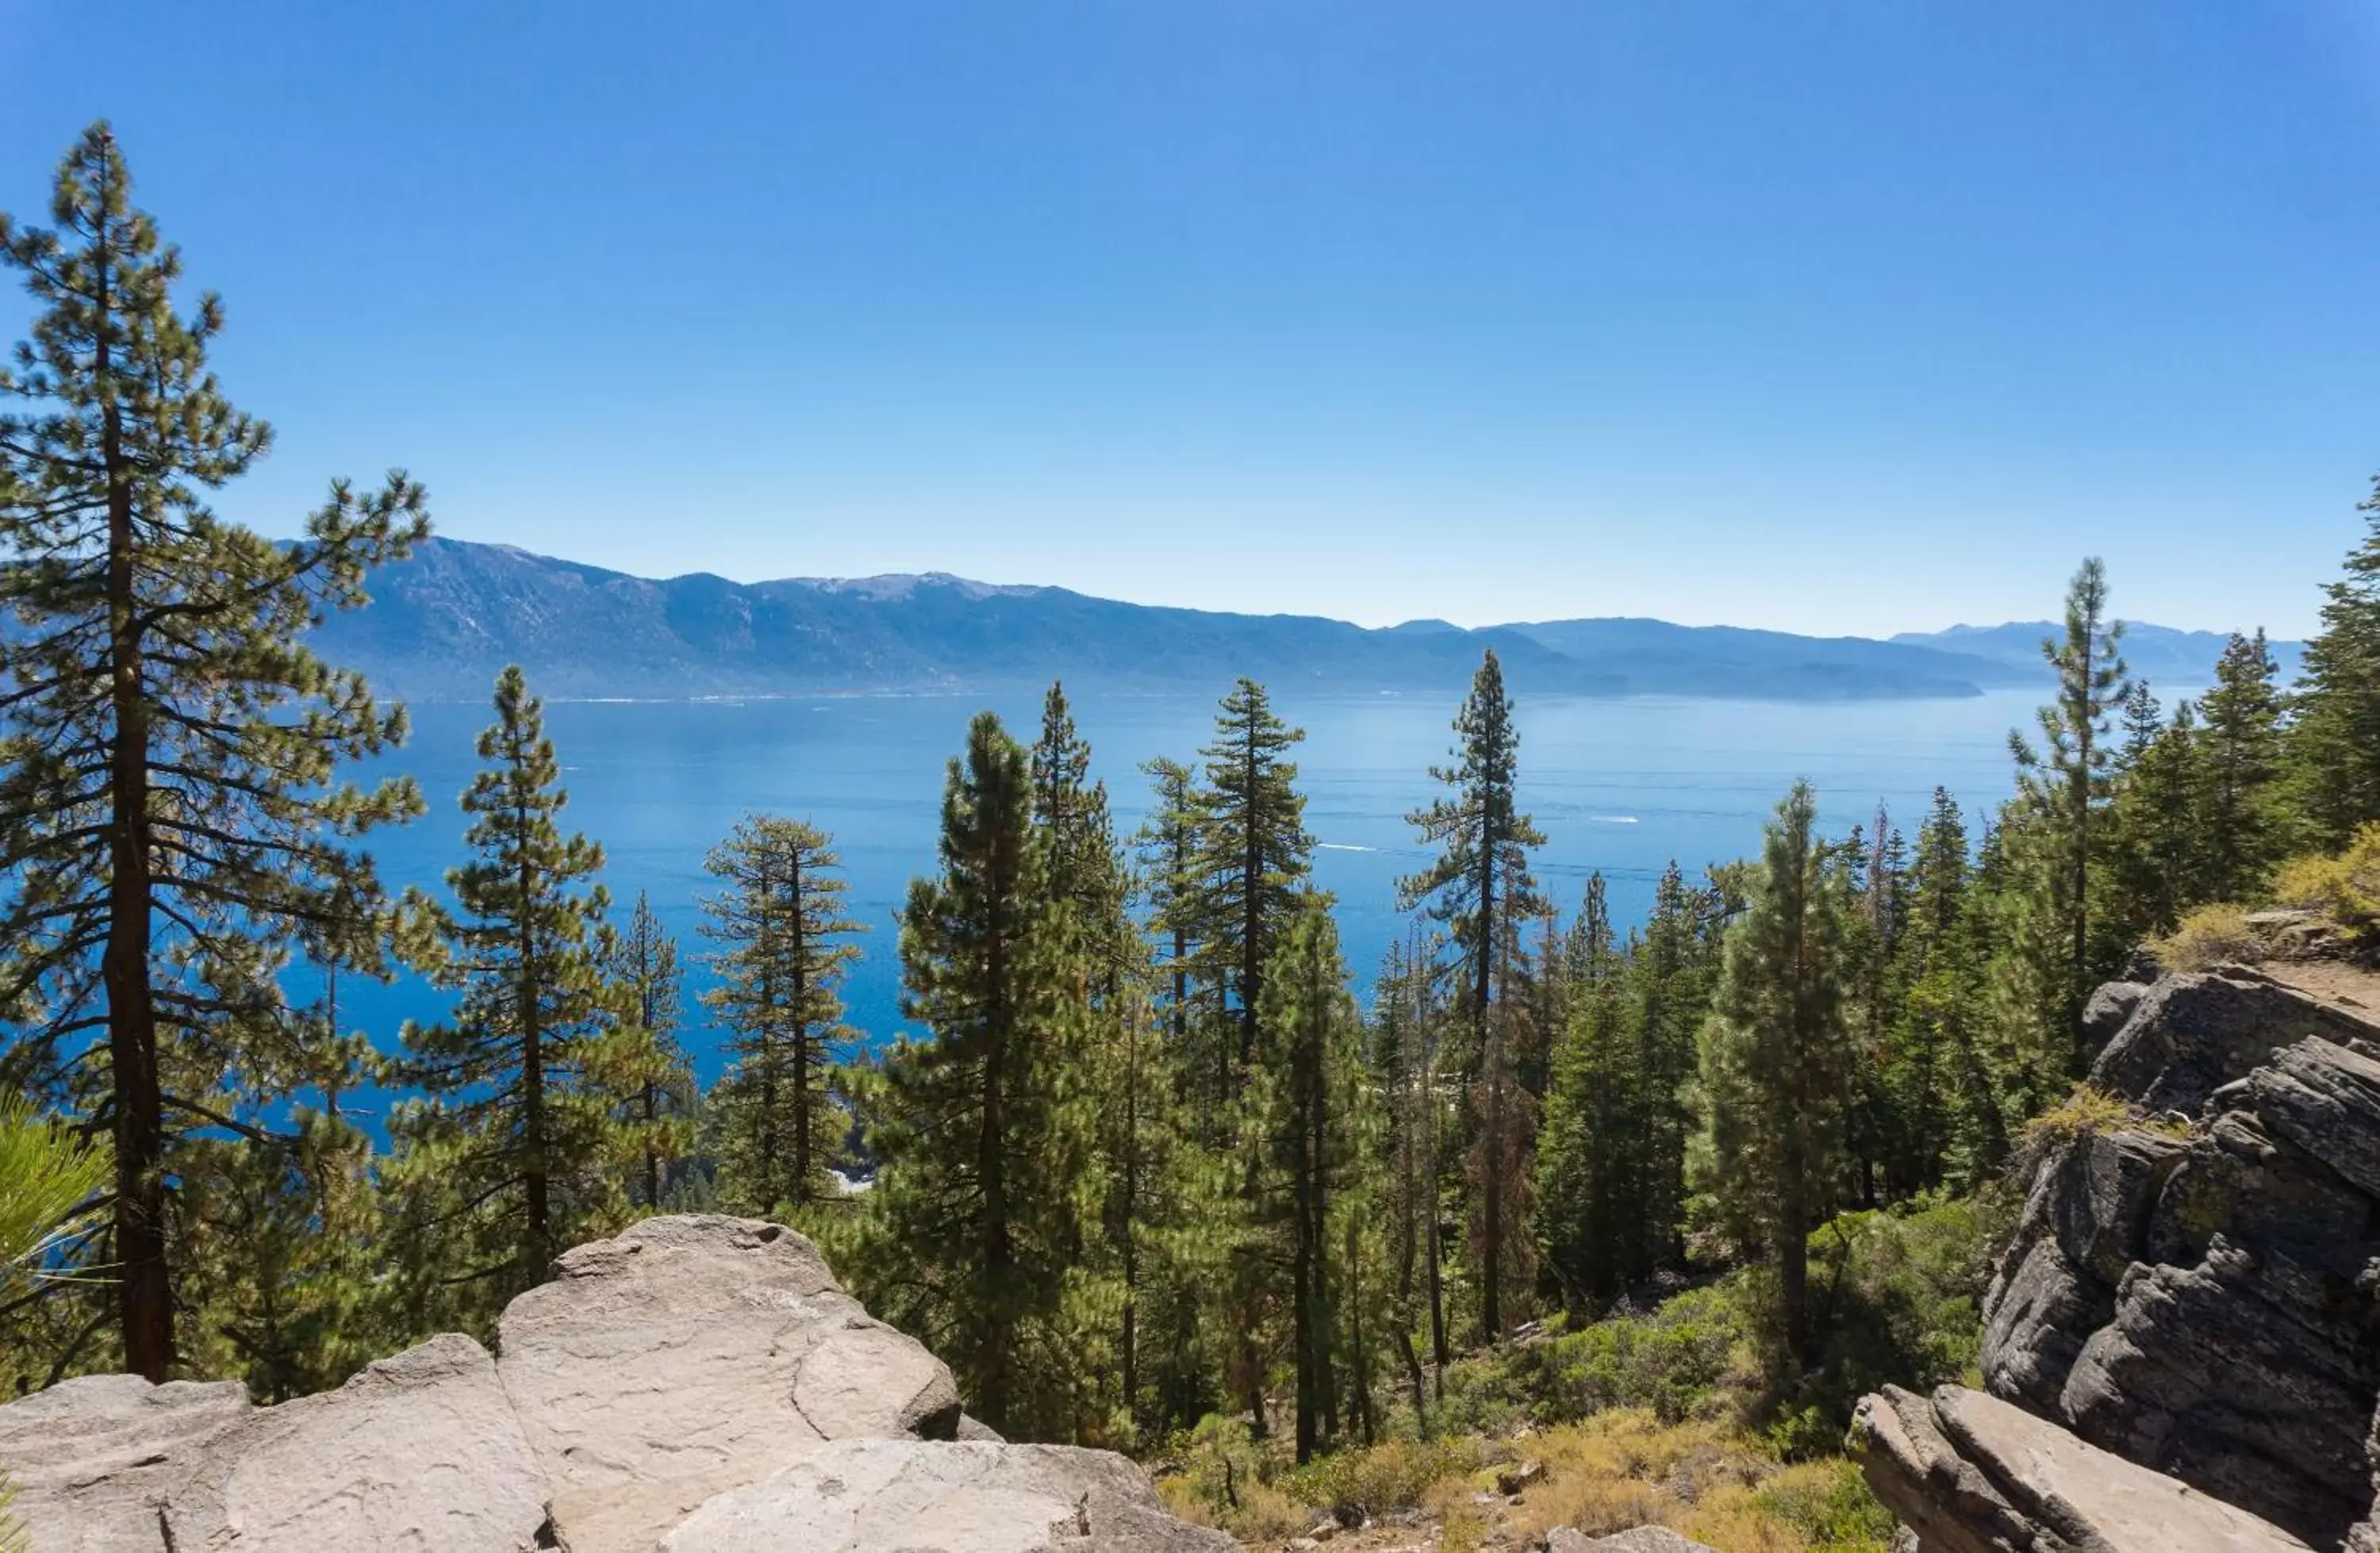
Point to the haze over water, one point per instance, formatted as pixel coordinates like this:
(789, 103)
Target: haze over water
(1619, 785)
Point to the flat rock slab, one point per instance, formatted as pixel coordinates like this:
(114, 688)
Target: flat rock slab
(419, 1452)
(95, 1459)
(1971, 1474)
(693, 1355)
(1635, 1539)
(945, 1496)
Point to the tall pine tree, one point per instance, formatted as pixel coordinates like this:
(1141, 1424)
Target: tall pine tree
(983, 1140)
(1479, 885)
(1777, 1062)
(512, 1139)
(783, 946)
(2334, 742)
(171, 823)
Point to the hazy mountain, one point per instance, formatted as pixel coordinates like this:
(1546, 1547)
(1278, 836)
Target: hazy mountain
(2162, 656)
(444, 624)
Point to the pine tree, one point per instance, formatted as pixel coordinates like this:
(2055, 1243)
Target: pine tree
(643, 1063)
(2064, 786)
(1253, 853)
(1667, 987)
(1403, 1056)
(1303, 1122)
(1777, 1062)
(512, 1140)
(2144, 720)
(783, 947)
(1114, 1060)
(2333, 741)
(1480, 887)
(2241, 760)
(982, 1140)
(2163, 833)
(170, 823)
(279, 1291)
(1589, 1143)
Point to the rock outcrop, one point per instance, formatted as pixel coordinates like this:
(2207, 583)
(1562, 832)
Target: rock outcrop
(2192, 1294)
(890, 1496)
(1971, 1474)
(699, 1382)
(691, 1355)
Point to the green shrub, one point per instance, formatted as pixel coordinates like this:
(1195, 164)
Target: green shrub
(1679, 1361)
(1829, 1504)
(1394, 1475)
(1896, 1293)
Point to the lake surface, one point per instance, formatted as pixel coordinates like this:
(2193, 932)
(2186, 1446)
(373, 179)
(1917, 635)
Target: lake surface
(1618, 785)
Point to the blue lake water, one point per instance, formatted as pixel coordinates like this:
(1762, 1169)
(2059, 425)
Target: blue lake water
(1619, 785)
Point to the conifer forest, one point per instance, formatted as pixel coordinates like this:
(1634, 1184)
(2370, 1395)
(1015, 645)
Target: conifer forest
(1156, 1168)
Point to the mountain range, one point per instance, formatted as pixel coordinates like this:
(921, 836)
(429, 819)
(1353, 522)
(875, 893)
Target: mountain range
(442, 625)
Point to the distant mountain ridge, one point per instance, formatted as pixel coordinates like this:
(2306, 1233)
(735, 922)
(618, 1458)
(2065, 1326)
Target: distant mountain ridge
(2162, 656)
(442, 624)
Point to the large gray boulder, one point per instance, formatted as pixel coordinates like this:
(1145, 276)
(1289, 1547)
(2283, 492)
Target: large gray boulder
(1971, 1474)
(917, 1496)
(2197, 1301)
(694, 1354)
(2188, 1036)
(419, 1452)
(1635, 1539)
(698, 1383)
(94, 1460)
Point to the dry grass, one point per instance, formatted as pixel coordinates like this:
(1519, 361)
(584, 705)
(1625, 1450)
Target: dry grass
(2213, 935)
(1704, 1478)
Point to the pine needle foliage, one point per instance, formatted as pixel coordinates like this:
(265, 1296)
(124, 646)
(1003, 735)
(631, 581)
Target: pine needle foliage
(170, 818)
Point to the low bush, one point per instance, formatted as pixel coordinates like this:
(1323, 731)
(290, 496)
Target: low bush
(1683, 1359)
(1394, 1475)
(2212, 935)
(2345, 887)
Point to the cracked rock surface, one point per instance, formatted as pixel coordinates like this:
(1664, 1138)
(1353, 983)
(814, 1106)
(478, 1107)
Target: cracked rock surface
(698, 1382)
(2192, 1295)
(880, 1495)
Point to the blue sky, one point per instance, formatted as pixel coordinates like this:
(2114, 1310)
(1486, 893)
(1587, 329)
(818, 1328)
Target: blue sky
(1846, 317)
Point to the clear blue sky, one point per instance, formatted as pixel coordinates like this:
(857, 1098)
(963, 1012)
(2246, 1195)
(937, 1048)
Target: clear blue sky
(1850, 317)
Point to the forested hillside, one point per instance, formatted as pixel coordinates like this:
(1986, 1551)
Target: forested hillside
(1165, 1171)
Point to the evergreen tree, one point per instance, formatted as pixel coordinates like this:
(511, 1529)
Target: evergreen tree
(2334, 742)
(2241, 760)
(2144, 720)
(1404, 1061)
(984, 1142)
(2163, 838)
(1168, 846)
(512, 1140)
(783, 947)
(2064, 785)
(279, 1288)
(1669, 990)
(644, 1065)
(170, 823)
(1777, 1062)
(1253, 853)
(1304, 1124)
(1589, 1145)
(1479, 885)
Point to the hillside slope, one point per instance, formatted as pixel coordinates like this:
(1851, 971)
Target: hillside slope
(442, 624)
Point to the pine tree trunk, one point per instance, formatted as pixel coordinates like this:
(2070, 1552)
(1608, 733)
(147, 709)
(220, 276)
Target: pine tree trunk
(144, 1293)
(798, 964)
(532, 1072)
(991, 1179)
